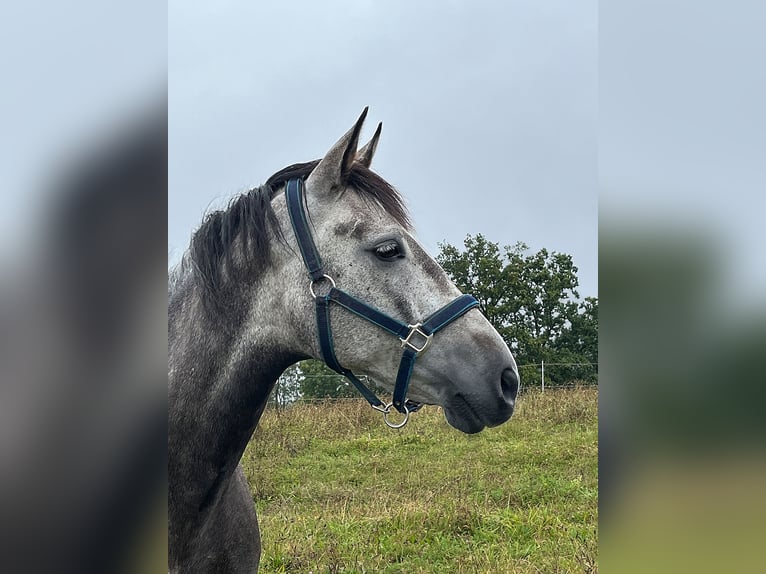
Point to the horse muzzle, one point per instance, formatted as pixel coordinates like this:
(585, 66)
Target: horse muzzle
(474, 411)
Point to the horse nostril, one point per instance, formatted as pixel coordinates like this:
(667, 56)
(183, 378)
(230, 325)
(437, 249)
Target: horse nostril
(509, 383)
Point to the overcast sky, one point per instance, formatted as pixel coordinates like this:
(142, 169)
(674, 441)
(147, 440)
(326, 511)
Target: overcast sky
(489, 110)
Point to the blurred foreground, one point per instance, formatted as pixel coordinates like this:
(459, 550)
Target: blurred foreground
(682, 285)
(83, 152)
(682, 430)
(83, 400)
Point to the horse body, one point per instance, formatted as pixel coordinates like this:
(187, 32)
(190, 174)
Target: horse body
(240, 312)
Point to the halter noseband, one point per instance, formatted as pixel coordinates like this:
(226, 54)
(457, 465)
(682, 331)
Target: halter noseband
(415, 338)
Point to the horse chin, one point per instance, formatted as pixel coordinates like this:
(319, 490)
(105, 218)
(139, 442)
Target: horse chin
(463, 417)
(466, 418)
(463, 425)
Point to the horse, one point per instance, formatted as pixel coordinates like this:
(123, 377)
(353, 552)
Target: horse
(318, 262)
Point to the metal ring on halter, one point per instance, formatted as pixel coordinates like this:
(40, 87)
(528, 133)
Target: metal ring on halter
(386, 412)
(311, 285)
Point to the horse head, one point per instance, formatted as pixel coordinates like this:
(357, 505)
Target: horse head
(360, 227)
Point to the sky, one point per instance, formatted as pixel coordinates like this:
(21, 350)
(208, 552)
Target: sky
(489, 111)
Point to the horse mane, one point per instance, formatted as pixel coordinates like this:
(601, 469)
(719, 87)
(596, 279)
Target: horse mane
(218, 262)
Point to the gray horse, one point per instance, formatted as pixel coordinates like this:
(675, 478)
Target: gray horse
(240, 312)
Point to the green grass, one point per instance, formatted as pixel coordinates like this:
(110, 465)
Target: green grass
(337, 491)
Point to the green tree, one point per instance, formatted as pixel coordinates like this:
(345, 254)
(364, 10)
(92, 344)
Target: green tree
(287, 389)
(582, 335)
(320, 382)
(532, 300)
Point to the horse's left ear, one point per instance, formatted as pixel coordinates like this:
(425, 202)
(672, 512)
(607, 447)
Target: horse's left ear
(364, 156)
(335, 165)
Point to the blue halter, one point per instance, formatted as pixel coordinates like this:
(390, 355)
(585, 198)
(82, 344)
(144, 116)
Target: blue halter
(415, 338)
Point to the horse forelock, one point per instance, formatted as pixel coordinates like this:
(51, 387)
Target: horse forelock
(367, 183)
(233, 245)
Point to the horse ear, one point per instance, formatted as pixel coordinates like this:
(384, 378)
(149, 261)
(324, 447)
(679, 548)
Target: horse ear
(335, 165)
(364, 156)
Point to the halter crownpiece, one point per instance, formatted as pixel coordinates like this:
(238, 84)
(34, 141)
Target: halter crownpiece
(415, 338)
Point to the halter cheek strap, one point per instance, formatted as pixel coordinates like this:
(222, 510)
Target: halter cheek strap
(415, 338)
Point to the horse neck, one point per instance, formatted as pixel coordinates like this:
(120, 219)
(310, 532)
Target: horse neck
(219, 383)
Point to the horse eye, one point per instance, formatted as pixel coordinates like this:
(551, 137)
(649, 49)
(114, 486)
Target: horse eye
(389, 251)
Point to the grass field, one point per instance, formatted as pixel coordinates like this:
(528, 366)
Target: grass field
(337, 491)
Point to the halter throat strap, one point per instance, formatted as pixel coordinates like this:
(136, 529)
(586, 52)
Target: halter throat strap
(415, 339)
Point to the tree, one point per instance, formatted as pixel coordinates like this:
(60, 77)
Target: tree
(582, 335)
(309, 380)
(320, 382)
(287, 389)
(532, 301)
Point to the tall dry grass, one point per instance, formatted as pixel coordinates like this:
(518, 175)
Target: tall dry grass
(337, 491)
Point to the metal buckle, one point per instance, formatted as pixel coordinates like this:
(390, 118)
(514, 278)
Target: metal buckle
(387, 409)
(416, 330)
(322, 278)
